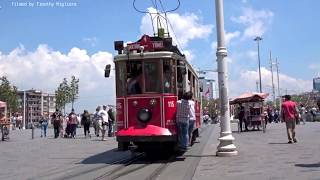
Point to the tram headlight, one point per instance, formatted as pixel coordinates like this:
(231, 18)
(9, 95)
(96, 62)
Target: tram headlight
(153, 102)
(144, 115)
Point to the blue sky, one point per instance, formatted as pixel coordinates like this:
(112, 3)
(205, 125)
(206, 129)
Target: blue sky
(41, 45)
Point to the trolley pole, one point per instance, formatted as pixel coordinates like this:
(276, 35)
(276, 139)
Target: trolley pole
(272, 83)
(226, 146)
(278, 80)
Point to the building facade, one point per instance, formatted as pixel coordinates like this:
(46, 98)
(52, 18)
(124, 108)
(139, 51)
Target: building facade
(34, 103)
(316, 84)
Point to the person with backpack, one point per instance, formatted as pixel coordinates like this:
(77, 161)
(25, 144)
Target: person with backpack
(56, 119)
(97, 121)
(110, 122)
(73, 123)
(86, 121)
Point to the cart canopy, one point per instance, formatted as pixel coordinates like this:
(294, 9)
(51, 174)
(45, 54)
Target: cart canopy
(249, 97)
(3, 104)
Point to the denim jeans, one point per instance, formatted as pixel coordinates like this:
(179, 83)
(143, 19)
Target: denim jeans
(110, 129)
(44, 127)
(190, 129)
(183, 136)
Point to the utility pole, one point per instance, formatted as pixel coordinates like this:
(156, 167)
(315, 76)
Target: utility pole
(273, 91)
(258, 39)
(279, 94)
(226, 146)
(257, 86)
(24, 110)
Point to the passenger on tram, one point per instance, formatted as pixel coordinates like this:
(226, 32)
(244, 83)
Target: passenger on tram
(134, 85)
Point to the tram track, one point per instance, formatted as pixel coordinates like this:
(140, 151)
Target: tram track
(132, 166)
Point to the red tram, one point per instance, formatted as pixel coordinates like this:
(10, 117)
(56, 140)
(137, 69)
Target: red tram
(151, 75)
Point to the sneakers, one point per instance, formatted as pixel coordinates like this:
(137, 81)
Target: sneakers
(290, 142)
(295, 141)
(103, 139)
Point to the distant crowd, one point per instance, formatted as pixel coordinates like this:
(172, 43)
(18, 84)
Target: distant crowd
(66, 126)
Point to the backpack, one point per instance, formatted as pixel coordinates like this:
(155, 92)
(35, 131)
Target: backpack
(111, 115)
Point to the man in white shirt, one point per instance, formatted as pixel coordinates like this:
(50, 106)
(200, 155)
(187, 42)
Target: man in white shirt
(192, 118)
(104, 115)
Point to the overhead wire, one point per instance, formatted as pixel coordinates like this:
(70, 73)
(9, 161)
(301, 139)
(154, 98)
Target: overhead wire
(159, 16)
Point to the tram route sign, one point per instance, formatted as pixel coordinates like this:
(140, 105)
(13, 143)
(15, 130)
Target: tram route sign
(147, 43)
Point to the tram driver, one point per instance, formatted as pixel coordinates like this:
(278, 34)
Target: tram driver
(134, 83)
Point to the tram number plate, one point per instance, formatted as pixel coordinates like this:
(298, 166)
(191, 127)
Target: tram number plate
(171, 104)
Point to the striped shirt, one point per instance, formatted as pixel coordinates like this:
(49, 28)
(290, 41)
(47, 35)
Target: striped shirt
(183, 111)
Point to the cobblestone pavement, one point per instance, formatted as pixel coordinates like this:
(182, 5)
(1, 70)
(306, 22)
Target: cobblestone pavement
(265, 156)
(261, 156)
(46, 158)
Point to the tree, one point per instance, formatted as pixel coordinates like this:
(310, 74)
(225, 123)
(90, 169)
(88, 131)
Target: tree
(9, 94)
(74, 89)
(62, 95)
(66, 93)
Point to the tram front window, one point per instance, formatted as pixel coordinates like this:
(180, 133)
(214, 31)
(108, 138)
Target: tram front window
(134, 77)
(152, 76)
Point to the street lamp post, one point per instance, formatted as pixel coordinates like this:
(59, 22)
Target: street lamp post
(258, 39)
(226, 146)
(24, 110)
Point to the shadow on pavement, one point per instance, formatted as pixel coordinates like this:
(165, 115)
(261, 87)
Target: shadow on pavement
(204, 155)
(108, 157)
(308, 165)
(278, 143)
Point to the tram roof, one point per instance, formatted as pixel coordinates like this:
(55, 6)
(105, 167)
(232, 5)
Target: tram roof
(154, 48)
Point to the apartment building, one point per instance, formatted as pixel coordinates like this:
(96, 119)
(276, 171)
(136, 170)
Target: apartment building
(34, 103)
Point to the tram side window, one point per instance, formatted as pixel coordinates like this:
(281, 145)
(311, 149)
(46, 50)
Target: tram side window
(168, 77)
(152, 76)
(134, 77)
(121, 78)
(180, 75)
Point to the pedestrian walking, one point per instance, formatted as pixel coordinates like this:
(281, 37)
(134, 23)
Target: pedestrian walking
(192, 118)
(103, 113)
(97, 121)
(86, 121)
(303, 113)
(56, 120)
(44, 125)
(111, 120)
(73, 120)
(182, 120)
(289, 115)
(241, 117)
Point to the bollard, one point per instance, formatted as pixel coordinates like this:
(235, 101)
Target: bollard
(32, 131)
(2, 133)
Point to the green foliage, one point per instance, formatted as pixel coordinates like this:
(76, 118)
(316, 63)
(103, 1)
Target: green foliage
(212, 105)
(74, 89)
(67, 93)
(8, 93)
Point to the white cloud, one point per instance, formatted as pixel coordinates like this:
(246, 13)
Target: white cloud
(189, 55)
(256, 22)
(186, 27)
(247, 82)
(228, 37)
(91, 40)
(231, 35)
(314, 67)
(45, 68)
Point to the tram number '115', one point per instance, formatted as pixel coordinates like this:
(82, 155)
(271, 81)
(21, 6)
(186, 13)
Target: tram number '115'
(171, 104)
